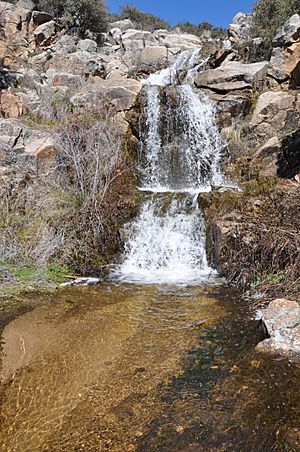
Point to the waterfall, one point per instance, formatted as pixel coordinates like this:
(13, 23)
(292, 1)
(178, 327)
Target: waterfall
(179, 156)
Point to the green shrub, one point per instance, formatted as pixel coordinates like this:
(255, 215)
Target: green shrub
(198, 30)
(86, 14)
(144, 21)
(269, 16)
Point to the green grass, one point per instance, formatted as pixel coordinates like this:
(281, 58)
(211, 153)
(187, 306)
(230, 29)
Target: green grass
(30, 279)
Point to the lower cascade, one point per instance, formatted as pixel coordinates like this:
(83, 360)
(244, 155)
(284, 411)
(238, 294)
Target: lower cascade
(180, 149)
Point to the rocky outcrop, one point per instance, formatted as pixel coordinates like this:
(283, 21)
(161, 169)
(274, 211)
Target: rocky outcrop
(271, 114)
(284, 64)
(121, 94)
(11, 106)
(240, 28)
(233, 76)
(288, 33)
(281, 322)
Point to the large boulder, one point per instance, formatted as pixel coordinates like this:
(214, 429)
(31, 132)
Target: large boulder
(87, 45)
(78, 63)
(152, 58)
(11, 105)
(285, 65)
(135, 40)
(272, 111)
(288, 33)
(121, 94)
(123, 25)
(57, 78)
(240, 27)
(233, 76)
(10, 132)
(178, 41)
(44, 33)
(281, 322)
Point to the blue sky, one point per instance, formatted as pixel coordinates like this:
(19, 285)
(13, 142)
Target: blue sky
(218, 12)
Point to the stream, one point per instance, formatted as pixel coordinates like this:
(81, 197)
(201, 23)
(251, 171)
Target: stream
(126, 367)
(161, 357)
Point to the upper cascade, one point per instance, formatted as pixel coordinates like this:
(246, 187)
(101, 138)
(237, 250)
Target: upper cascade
(180, 149)
(188, 62)
(180, 143)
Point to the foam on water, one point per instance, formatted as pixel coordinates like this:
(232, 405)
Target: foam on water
(166, 243)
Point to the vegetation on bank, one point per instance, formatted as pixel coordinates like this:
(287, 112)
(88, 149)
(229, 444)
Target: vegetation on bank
(67, 219)
(260, 250)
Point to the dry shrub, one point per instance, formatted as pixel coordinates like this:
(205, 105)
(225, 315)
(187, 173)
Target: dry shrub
(265, 252)
(72, 215)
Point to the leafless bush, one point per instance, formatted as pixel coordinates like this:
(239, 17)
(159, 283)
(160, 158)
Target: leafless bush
(89, 160)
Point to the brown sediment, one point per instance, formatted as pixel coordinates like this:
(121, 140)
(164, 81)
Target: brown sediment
(128, 367)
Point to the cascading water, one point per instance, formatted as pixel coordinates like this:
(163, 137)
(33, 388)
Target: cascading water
(179, 158)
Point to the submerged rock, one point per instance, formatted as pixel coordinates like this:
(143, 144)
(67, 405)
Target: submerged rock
(281, 322)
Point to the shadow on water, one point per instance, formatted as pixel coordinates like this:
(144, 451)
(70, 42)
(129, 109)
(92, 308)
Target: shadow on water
(228, 396)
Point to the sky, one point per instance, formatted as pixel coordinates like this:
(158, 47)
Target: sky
(217, 12)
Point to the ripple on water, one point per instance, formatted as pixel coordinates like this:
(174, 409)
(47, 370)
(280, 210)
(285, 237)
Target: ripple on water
(127, 367)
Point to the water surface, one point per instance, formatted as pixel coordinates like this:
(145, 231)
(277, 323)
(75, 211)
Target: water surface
(127, 367)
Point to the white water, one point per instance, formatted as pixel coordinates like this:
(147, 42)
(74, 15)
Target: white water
(180, 153)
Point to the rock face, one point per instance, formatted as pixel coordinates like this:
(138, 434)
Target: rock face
(240, 27)
(271, 114)
(233, 76)
(281, 321)
(284, 64)
(288, 33)
(288, 162)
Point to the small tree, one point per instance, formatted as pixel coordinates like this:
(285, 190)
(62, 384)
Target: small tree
(86, 14)
(144, 21)
(269, 15)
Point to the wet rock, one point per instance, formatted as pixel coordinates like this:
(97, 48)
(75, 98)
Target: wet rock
(281, 321)
(233, 76)
(292, 438)
(82, 282)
